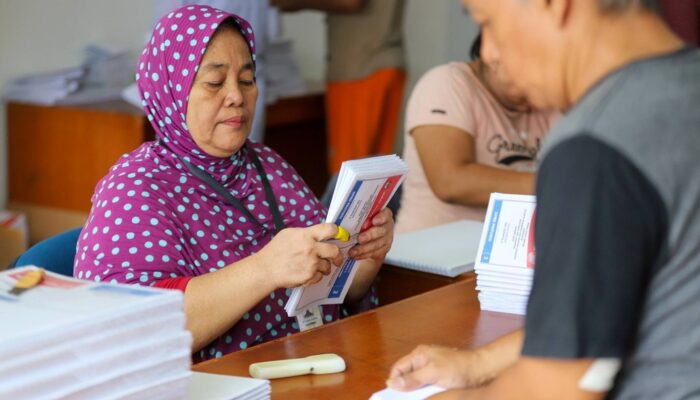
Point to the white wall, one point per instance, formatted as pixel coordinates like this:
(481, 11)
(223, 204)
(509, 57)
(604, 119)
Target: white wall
(308, 30)
(42, 35)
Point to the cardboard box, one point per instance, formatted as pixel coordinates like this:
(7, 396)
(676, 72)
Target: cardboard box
(44, 222)
(14, 237)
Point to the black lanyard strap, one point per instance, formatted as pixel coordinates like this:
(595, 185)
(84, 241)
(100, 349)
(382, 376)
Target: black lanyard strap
(269, 194)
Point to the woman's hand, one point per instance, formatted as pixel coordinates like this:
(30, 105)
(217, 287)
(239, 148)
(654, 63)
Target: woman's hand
(376, 241)
(437, 365)
(298, 256)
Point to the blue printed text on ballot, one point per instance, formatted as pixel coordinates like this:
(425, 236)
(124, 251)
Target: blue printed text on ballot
(488, 244)
(347, 204)
(339, 284)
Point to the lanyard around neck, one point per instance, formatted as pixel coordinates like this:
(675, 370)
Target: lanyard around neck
(209, 180)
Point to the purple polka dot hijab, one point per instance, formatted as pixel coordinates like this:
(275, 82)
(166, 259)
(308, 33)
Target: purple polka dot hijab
(168, 65)
(152, 219)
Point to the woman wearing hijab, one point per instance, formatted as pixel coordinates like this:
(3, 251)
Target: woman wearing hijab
(206, 211)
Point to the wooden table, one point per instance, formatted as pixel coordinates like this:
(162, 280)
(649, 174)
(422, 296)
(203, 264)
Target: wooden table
(371, 342)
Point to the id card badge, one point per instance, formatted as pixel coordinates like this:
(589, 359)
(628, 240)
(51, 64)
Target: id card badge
(310, 318)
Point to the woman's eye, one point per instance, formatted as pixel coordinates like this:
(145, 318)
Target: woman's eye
(247, 82)
(214, 84)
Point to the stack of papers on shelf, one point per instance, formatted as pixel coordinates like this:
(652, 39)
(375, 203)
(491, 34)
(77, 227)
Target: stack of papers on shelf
(506, 258)
(225, 387)
(364, 188)
(75, 339)
(104, 74)
(282, 75)
(447, 250)
(107, 72)
(45, 88)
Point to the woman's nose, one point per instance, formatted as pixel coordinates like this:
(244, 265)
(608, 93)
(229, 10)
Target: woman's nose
(234, 95)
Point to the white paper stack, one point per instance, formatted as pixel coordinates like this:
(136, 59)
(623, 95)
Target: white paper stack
(447, 250)
(85, 340)
(107, 72)
(506, 258)
(364, 188)
(282, 75)
(46, 89)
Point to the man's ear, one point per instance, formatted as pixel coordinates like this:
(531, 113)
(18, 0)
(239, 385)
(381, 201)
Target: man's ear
(557, 10)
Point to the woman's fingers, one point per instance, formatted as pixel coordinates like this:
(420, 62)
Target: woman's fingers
(317, 277)
(327, 250)
(365, 250)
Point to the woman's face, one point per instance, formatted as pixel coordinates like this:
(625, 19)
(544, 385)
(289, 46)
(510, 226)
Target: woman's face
(222, 99)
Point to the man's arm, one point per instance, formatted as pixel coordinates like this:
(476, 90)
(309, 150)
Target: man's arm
(535, 378)
(453, 368)
(334, 6)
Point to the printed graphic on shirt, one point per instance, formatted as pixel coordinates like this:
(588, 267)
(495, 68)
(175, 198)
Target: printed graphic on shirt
(508, 150)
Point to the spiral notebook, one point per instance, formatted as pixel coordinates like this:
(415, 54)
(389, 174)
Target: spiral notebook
(447, 250)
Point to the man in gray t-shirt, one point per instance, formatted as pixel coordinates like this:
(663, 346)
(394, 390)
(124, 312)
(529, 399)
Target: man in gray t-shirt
(614, 310)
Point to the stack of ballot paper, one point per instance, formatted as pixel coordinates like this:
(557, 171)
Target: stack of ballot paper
(364, 188)
(67, 338)
(506, 257)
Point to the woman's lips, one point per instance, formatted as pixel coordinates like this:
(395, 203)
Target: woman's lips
(235, 122)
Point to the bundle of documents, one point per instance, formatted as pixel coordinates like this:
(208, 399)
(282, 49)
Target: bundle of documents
(46, 89)
(447, 250)
(282, 75)
(67, 338)
(506, 258)
(105, 72)
(364, 188)
(108, 70)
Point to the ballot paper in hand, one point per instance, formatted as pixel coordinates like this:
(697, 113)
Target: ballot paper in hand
(364, 188)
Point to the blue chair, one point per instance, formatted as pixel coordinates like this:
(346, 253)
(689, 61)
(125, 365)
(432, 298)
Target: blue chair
(55, 254)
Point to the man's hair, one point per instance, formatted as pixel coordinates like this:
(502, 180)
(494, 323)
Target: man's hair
(475, 50)
(618, 5)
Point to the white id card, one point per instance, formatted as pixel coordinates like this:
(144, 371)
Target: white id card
(310, 318)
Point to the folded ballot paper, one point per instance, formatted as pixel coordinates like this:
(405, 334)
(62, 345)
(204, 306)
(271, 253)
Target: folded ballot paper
(505, 260)
(67, 338)
(364, 188)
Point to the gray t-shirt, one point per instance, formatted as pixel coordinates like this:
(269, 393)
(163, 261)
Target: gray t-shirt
(618, 230)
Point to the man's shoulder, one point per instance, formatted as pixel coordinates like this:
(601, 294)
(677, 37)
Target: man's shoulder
(643, 103)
